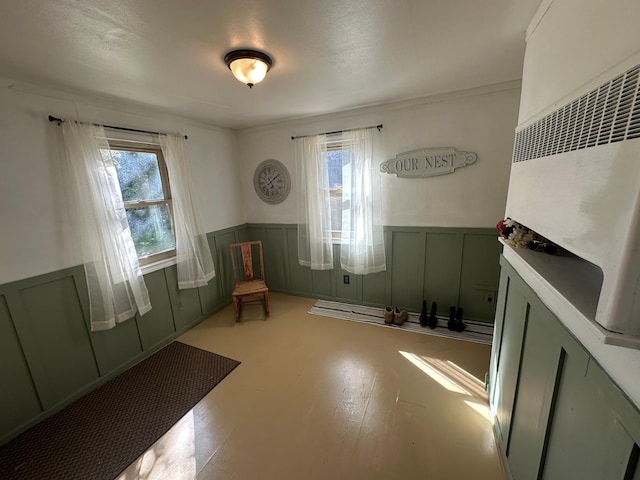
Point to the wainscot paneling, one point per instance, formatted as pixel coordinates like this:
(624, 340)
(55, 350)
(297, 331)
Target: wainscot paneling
(19, 401)
(558, 414)
(450, 266)
(49, 357)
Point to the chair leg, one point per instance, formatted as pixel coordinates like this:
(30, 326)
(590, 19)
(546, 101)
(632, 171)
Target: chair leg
(266, 302)
(237, 306)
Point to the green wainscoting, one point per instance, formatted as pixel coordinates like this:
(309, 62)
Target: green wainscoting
(451, 266)
(558, 414)
(48, 355)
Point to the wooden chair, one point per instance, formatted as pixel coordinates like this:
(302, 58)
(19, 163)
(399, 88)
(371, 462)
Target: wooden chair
(247, 285)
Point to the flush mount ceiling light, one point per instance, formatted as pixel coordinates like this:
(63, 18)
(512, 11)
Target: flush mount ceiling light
(248, 66)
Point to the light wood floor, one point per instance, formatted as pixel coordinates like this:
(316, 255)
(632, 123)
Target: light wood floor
(321, 398)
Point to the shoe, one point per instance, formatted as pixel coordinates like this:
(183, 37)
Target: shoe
(433, 319)
(388, 315)
(400, 316)
(424, 321)
(451, 324)
(459, 323)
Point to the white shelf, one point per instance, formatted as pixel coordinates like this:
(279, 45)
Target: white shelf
(570, 288)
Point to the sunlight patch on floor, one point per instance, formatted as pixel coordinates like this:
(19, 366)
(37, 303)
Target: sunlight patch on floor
(455, 379)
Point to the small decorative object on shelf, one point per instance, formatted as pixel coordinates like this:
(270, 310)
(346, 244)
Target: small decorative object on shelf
(546, 247)
(517, 235)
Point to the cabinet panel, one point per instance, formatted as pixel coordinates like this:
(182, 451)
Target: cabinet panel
(567, 419)
(585, 439)
(508, 361)
(542, 361)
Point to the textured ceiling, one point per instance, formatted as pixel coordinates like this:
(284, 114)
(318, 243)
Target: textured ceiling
(329, 55)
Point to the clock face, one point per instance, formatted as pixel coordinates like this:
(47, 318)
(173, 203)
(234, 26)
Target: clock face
(271, 181)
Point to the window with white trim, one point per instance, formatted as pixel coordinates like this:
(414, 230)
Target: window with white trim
(337, 158)
(144, 184)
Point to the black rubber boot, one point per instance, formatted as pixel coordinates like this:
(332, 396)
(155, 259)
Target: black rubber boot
(452, 319)
(459, 323)
(423, 315)
(433, 319)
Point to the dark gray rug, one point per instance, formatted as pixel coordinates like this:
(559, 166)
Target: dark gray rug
(102, 433)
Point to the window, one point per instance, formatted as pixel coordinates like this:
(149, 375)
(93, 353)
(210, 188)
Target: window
(337, 159)
(144, 184)
(340, 201)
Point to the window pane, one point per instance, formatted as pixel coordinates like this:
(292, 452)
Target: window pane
(139, 175)
(151, 229)
(334, 164)
(338, 164)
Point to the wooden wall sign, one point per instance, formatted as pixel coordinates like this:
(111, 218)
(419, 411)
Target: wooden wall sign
(428, 162)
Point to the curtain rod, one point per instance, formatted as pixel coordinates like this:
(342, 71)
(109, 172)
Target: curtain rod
(60, 120)
(379, 127)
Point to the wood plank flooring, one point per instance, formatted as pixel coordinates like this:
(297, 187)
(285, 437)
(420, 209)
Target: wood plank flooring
(322, 398)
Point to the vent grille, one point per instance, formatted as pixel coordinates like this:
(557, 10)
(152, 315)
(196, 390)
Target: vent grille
(607, 114)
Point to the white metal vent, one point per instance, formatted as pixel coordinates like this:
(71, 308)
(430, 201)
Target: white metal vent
(607, 114)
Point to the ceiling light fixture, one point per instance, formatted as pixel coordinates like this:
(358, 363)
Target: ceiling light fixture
(248, 66)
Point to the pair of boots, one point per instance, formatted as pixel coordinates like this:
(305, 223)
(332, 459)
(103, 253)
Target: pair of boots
(395, 316)
(455, 322)
(431, 320)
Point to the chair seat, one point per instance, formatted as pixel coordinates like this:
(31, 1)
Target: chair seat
(249, 288)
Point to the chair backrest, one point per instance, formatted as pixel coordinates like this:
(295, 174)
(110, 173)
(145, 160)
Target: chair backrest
(243, 261)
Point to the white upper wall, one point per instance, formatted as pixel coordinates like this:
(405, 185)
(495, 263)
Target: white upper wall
(570, 43)
(479, 120)
(35, 234)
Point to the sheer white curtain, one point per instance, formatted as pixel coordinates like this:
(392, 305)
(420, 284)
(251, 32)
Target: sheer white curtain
(314, 205)
(362, 238)
(194, 261)
(114, 278)
(363, 252)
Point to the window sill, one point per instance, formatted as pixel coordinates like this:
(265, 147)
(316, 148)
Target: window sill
(159, 265)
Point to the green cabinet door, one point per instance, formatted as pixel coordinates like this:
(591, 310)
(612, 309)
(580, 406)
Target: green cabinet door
(541, 366)
(508, 361)
(585, 440)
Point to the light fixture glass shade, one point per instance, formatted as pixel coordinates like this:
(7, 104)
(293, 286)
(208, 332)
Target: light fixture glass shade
(249, 70)
(248, 66)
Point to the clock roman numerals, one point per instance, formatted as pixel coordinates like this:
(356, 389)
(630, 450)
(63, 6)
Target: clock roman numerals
(272, 181)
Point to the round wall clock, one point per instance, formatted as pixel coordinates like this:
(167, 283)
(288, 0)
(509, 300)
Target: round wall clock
(272, 181)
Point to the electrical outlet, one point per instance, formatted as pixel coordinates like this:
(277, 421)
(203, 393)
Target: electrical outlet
(345, 279)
